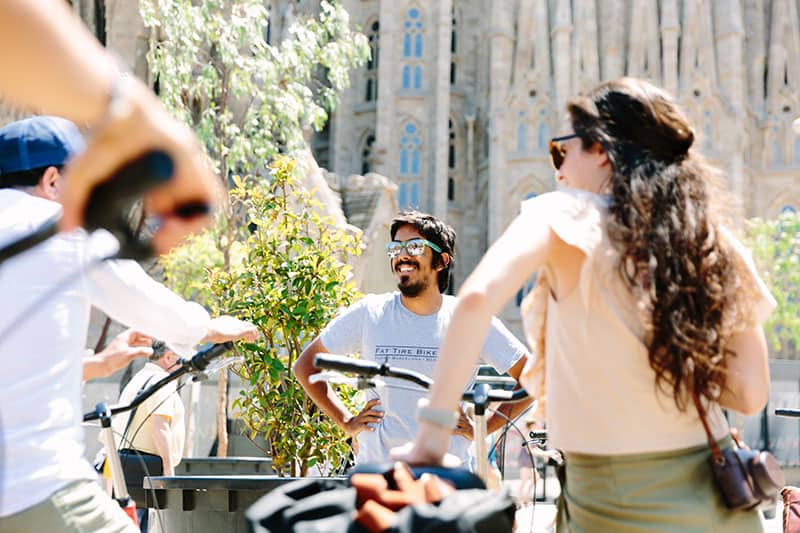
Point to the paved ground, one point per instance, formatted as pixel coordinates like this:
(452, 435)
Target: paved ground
(539, 518)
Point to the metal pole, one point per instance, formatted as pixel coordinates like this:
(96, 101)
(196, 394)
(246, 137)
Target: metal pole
(480, 401)
(107, 438)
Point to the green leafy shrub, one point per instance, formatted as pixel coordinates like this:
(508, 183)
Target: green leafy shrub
(290, 280)
(776, 251)
(249, 98)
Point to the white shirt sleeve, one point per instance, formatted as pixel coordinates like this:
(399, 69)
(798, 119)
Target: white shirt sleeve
(343, 334)
(501, 349)
(126, 293)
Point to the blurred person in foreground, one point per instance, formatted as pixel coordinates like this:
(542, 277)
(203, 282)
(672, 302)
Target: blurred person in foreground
(47, 484)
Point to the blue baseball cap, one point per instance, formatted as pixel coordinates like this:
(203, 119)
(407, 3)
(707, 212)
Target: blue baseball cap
(38, 142)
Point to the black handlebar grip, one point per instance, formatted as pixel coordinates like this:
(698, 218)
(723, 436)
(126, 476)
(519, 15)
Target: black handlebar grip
(110, 202)
(341, 363)
(794, 413)
(202, 359)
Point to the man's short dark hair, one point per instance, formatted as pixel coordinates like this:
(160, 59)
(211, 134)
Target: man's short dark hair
(159, 349)
(435, 230)
(24, 178)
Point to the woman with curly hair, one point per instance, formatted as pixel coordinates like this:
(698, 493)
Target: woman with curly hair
(646, 303)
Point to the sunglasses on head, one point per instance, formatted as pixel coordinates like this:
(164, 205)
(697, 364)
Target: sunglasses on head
(413, 247)
(557, 151)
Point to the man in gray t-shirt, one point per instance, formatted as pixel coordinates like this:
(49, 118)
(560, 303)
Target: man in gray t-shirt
(405, 329)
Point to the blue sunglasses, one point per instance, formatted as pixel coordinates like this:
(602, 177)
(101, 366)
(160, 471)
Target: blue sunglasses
(414, 247)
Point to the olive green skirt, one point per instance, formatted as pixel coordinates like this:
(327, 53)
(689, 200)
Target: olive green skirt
(665, 491)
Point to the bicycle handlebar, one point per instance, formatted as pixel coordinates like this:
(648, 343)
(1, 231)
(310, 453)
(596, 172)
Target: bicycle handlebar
(342, 363)
(197, 363)
(203, 358)
(794, 413)
(365, 368)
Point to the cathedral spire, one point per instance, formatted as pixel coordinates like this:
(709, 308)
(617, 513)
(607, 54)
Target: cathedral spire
(670, 33)
(644, 47)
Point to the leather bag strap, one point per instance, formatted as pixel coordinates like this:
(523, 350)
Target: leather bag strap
(716, 452)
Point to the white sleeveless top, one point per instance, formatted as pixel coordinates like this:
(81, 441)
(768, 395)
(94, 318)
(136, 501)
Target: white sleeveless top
(601, 392)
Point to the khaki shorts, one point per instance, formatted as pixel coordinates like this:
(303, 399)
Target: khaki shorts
(655, 492)
(80, 507)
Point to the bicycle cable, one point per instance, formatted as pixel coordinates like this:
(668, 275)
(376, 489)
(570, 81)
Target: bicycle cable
(511, 422)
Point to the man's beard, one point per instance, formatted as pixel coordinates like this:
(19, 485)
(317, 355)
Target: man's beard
(412, 289)
(408, 288)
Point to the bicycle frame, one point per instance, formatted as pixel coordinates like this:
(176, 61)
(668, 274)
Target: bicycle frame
(479, 396)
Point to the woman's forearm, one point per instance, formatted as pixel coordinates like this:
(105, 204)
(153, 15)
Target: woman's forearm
(460, 350)
(519, 252)
(51, 63)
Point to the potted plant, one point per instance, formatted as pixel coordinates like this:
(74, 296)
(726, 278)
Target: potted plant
(290, 279)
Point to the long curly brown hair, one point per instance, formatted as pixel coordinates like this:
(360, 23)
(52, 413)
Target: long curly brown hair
(662, 223)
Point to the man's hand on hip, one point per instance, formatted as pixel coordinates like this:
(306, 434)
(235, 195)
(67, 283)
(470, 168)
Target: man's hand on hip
(464, 427)
(367, 415)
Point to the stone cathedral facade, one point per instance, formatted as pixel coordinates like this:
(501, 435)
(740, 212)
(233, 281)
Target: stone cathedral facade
(461, 97)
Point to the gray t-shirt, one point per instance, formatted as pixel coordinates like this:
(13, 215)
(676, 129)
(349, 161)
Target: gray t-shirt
(380, 328)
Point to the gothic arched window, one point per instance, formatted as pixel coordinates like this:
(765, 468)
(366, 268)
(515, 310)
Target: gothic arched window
(796, 157)
(366, 153)
(410, 166)
(777, 153)
(544, 132)
(451, 161)
(522, 132)
(453, 45)
(412, 49)
(371, 78)
(708, 131)
(451, 151)
(543, 136)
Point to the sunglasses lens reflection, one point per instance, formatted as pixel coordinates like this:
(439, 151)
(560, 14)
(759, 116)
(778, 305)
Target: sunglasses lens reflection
(415, 248)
